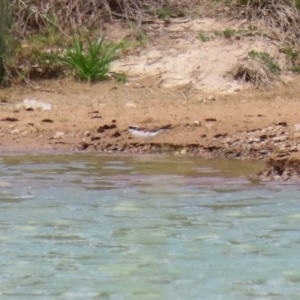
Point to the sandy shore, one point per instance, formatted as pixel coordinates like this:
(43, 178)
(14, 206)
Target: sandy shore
(245, 125)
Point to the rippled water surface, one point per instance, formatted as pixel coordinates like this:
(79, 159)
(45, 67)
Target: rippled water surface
(145, 227)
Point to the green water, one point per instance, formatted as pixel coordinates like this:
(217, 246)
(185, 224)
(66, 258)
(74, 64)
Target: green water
(145, 227)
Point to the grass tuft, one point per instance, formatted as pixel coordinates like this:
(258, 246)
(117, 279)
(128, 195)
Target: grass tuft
(253, 71)
(92, 63)
(266, 59)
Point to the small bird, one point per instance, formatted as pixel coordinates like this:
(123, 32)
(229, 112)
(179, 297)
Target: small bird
(144, 133)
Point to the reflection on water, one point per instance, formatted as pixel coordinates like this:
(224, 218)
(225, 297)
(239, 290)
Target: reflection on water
(145, 227)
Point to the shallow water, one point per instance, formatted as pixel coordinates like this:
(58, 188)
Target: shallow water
(145, 227)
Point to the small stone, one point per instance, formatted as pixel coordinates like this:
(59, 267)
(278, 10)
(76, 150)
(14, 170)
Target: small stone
(277, 139)
(211, 98)
(58, 135)
(130, 104)
(263, 151)
(87, 133)
(183, 151)
(282, 150)
(32, 103)
(254, 140)
(82, 145)
(15, 131)
(297, 127)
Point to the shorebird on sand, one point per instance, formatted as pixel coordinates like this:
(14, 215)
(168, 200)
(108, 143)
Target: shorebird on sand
(145, 133)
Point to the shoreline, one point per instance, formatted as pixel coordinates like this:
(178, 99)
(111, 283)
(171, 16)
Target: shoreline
(246, 125)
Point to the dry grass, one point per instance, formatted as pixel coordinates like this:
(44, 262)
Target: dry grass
(90, 14)
(253, 71)
(280, 18)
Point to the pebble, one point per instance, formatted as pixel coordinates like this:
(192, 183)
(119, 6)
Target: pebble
(87, 133)
(263, 151)
(58, 135)
(277, 139)
(15, 131)
(183, 151)
(211, 98)
(297, 127)
(130, 104)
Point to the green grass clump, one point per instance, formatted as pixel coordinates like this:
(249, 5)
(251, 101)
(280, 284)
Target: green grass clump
(93, 62)
(266, 59)
(228, 33)
(203, 37)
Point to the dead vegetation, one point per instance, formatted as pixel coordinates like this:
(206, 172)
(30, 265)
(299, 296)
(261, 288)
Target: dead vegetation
(41, 25)
(280, 20)
(79, 15)
(253, 71)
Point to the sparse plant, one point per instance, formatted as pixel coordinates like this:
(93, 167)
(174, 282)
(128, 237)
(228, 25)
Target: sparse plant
(228, 33)
(166, 13)
(295, 69)
(203, 37)
(92, 63)
(218, 33)
(121, 78)
(266, 59)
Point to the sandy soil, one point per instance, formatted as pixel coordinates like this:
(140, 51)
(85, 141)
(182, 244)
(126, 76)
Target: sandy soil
(198, 120)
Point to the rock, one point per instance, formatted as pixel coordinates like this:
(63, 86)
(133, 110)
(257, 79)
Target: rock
(130, 104)
(211, 98)
(297, 127)
(32, 103)
(82, 145)
(183, 151)
(282, 167)
(263, 151)
(9, 119)
(47, 121)
(15, 131)
(278, 139)
(87, 133)
(58, 135)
